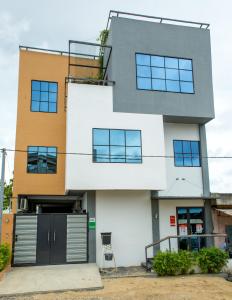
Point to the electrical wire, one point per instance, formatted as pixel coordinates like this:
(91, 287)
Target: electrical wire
(117, 155)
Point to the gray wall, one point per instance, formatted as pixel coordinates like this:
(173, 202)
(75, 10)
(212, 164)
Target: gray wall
(129, 36)
(91, 208)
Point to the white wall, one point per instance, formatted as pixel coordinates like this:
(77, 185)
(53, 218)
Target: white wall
(181, 181)
(91, 106)
(127, 214)
(167, 208)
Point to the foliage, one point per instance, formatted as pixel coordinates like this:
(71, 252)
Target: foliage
(4, 256)
(167, 263)
(102, 39)
(212, 260)
(7, 194)
(187, 260)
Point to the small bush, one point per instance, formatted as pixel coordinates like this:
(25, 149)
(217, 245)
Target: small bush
(187, 261)
(167, 263)
(4, 255)
(212, 260)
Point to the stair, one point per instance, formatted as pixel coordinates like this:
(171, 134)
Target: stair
(148, 265)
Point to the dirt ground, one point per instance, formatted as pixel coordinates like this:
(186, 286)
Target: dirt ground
(194, 287)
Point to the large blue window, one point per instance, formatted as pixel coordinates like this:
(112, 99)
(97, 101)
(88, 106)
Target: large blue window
(167, 74)
(42, 160)
(44, 96)
(117, 146)
(187, 153)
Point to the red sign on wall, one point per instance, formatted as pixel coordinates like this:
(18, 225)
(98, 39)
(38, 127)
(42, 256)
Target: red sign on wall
(172, 220)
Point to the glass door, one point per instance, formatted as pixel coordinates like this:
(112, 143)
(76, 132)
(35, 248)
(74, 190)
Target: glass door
(190, 220)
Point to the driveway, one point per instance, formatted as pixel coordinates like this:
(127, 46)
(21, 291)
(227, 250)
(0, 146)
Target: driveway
(24, 280)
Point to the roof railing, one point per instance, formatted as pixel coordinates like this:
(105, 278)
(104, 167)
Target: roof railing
(115, 13)
(59, 52)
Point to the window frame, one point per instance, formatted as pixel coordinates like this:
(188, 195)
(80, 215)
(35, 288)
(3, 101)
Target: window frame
(192, 154)
(164, 91)
(109, 145)
(40, 173)
(57, 97)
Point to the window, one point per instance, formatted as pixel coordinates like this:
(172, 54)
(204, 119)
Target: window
(187, 153)
(42, 160)
(167, 74)
(117, 146)
(44, 96)
(190, 220)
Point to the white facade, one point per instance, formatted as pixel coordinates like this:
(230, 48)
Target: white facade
(127, 214)
(181, 181)
(91, 106)
(167, 208)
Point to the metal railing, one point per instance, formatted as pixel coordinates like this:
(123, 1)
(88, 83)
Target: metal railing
(115, 13)
(93, 81)
(168, 238)
(59, 52)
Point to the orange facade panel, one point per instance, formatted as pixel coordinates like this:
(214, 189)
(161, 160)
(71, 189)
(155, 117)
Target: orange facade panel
(40, 128)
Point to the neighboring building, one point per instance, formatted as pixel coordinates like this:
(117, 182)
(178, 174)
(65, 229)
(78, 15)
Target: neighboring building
(222, 218)
(133, 141)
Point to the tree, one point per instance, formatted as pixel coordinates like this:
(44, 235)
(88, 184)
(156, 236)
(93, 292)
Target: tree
(8, 188)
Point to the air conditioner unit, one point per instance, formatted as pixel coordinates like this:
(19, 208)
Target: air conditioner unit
(23, 205)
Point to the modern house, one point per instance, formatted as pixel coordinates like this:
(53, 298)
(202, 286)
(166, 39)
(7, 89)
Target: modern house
(124, 154)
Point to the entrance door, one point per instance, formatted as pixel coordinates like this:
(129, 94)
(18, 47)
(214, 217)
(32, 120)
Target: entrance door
(51, 239)
(229, 239)
(190, 220)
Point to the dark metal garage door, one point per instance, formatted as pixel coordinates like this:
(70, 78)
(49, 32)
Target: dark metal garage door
(50, 239)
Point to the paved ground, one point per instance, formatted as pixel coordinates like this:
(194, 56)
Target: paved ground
(192, 287)
(50, 278)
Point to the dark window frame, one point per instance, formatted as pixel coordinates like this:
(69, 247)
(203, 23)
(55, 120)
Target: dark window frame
(42, 173)
(57, 95)
(192, 154)
(188, 220)
(165, 91)
(109, 145)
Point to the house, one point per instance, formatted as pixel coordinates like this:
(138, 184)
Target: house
(125, 154)
(222, 219)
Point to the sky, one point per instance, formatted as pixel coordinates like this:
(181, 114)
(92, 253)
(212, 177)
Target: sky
(51, 23)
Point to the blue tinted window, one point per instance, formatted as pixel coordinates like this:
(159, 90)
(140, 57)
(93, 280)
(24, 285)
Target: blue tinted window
(142, 59)
(41, 159)
(101, 154)
(172, 74)
(171, 62)
(187, 153)
(117, 137)
(117, 146)
(158, 73)
(101, 137)
(186, 87)
(172, 86)
(185, 64)
(144, 83)
(143, 71)
(162, 73)
(158, 84)
(157, 61)
(43, 92)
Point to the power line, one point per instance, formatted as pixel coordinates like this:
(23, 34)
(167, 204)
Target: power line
(185, 155)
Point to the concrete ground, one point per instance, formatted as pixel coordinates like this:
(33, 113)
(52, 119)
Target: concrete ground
(24, 280)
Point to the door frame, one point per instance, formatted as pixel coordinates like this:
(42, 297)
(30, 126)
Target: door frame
(34, 214)
(188, 221)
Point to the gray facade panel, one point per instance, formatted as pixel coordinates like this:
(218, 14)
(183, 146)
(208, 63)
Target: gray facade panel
(91, 208)
(129, 36)
(155, 223)
(204, 161)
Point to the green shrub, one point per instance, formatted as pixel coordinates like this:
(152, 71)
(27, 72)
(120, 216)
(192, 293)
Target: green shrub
(212, 260)
(4, 255)
(187, 261)
(167, 263)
